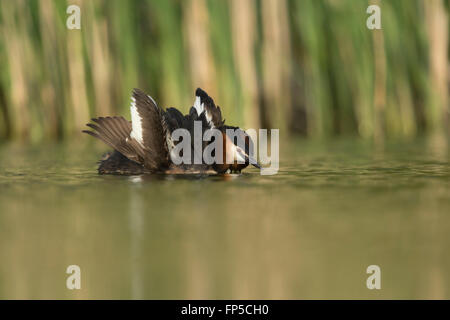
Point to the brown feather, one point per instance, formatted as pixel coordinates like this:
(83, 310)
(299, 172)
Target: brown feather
(154, 131)
(115, 132)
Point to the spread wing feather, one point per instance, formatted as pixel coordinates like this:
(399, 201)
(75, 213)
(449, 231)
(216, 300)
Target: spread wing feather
(151, 129)
(115, 132)
(142, 140)
(207, 110)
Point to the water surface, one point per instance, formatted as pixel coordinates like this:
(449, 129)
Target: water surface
(310, 231)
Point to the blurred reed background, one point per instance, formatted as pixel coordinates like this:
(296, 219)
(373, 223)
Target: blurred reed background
(308, 67)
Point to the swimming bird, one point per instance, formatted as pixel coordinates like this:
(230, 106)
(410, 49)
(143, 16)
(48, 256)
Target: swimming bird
(146, 145)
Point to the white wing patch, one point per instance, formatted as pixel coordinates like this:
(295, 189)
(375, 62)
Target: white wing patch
(200, 108)
(198, 105)
(136, 123)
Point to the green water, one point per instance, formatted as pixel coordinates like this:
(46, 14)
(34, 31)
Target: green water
(310, 231)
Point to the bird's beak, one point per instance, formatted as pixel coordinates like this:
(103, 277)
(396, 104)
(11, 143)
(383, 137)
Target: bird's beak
(253, 162)
(243, 156)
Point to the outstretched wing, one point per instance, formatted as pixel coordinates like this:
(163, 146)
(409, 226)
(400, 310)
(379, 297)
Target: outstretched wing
(142, 140)
(205, 108)
(115, 132)
(149, 129)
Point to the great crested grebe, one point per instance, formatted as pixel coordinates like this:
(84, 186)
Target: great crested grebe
(144, 144)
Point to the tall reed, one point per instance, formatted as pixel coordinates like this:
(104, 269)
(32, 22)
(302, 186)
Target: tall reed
(308, 67)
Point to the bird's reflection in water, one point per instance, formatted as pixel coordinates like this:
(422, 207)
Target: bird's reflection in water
(193, 176)
(136, 224)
